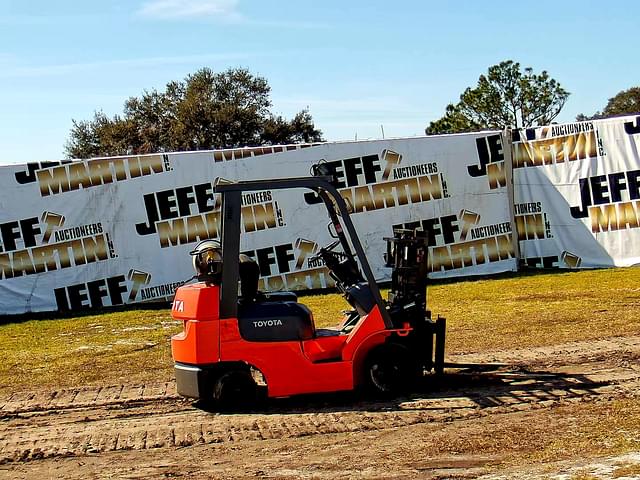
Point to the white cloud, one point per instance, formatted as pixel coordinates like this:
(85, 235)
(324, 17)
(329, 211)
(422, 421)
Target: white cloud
(170, 9)
(9, 70)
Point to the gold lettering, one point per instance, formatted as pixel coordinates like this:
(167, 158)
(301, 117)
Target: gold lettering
(461, 255)
(44, 259)
(603, 218)
(478, 251)
(574, 147)
(627, 216)
(264, 215)
(212, 220)
(505, 247)
(440, 259)
(53, 180)
(171, 233)
(382, 196)
(430, 187)
(530, 227)
(95, 248)
(151, 164)
(22, 263)
(400, 187)
(78, 176)
(497, 175)
(363, 200)
(196, 229)
(134, 167)
(100, 172)
(76, 250)
(119, 168)
(5, 266)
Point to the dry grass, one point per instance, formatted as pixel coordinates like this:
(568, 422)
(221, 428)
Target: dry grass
(631, 470)
(109, 348)
(583, 476)
(537, 310)
(593, 430)
(528, 310)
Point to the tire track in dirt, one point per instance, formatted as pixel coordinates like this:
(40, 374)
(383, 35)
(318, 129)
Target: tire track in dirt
(138, 417)
(84, 397)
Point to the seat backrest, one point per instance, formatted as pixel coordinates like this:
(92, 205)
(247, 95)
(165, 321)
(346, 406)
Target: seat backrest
(249, 273)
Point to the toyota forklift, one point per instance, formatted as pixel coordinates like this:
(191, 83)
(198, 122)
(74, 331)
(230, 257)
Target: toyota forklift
(237, 341)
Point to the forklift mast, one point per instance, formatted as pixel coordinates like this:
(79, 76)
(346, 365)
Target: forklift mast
(407, 256)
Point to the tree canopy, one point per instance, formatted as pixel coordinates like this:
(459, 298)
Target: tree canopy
(506, 97)
(626, 102)
(206, 110)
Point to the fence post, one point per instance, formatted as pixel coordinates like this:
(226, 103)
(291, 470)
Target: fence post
(507, 147)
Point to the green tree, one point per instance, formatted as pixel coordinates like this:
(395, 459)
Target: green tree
(204, 111)
(506, 97)
(626, 102)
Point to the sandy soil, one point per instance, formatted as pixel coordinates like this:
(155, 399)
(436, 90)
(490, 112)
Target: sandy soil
(465, 424)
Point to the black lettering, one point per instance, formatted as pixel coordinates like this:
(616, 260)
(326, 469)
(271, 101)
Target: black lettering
(489, 151)
(483, 156)
(631, 128)
(77, 296)
(284, 255)
(265, 259)
(30, 228)
(96, 291)
(495, 148)
(615, 187)
(152, 216)
(185, 198)
(29, 175)
(167, 205)
(116, 287)
(449, 226)
(431, 226)
(204, 197)
(371, 165)
(352, 169)
(336, 166)
(9, 232)
(599, 189)
(633, 184)
(585, 198)
(61, 299)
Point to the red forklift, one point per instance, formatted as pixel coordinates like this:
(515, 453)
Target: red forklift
(237, 341)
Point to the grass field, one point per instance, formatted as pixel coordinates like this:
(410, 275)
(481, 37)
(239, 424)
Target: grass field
(522, 311)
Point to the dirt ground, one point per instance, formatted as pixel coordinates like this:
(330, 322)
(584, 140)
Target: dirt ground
(484, 421)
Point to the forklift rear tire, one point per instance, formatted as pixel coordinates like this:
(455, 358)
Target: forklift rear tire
(234, 390)
(390, 369)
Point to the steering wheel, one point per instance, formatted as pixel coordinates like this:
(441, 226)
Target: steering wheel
(326, 250)
(331, 246)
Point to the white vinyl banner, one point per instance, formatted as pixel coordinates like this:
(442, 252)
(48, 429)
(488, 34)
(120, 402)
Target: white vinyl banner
(577, 193)
(113, 231)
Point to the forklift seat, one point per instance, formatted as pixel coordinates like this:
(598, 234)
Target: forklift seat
(249, 273)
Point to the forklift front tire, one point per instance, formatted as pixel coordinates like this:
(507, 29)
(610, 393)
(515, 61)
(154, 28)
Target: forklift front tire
(390, 369)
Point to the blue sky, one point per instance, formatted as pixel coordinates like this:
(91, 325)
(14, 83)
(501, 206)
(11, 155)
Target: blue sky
(356, 65)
